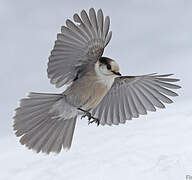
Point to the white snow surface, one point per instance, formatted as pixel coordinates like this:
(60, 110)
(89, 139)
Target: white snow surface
(156, 146)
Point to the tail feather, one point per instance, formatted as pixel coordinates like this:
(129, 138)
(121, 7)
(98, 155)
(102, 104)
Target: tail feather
(37, 127)
(35, 135)
(45, 136)
(57, 144)
(65, 136)
(48, 147)
(69, 135)
(25, 126)
(62, 138)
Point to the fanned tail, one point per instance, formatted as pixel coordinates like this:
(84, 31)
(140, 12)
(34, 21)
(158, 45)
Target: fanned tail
(37, 127)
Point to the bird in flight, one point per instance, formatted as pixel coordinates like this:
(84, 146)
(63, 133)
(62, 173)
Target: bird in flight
(96, 89)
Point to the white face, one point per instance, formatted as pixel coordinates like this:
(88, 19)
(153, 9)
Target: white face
(104, 70)
(111, 69)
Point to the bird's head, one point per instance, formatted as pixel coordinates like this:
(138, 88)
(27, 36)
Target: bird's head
(108, 67)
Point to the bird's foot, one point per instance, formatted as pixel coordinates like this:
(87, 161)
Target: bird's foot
(94, 120)
(91, 119)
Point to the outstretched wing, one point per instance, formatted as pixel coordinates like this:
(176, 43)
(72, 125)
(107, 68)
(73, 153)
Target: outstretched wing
(131, 96)
(80, 44)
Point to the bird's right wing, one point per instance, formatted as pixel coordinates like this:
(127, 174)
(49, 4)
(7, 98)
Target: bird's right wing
(131, 96)
(79, 45)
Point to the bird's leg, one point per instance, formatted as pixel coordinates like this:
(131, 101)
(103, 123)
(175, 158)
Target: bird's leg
(89, 116)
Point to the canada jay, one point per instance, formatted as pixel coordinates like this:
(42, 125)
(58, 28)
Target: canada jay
(96, 89)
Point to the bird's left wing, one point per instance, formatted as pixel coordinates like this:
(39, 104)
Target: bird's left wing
(131, 96)
(79, 45)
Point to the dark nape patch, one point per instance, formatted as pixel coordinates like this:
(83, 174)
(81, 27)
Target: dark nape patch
(105, 60)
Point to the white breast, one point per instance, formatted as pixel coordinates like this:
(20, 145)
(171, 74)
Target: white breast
(106, 80)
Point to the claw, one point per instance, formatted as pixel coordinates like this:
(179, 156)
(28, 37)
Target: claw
(94, 120)
(89, 116)
(98, 122)
(86, 114)
(83, 116)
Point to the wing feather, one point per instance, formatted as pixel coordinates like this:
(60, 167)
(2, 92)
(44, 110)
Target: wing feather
(79, 45)
(100, 22)
(122, 108)
(116, 117)
(167, 85)
(82, 26)
(131, 96)
(87, 23)
(76, 29)
(106, 27)
(73, 35)
(108, 38)
(146, 102)
(160, 89)
(132, 105)
(150, 96)
(156, 93)
(93, 20)
(127, 108)
(107, 118)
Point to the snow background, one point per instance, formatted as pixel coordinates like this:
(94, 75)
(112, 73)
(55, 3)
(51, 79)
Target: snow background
(148, 36)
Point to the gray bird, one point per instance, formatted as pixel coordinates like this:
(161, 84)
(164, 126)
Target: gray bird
(96, 89)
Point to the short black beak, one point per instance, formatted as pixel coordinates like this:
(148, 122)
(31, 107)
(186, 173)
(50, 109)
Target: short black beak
(117, 73)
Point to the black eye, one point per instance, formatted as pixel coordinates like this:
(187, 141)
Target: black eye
(108, 66)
